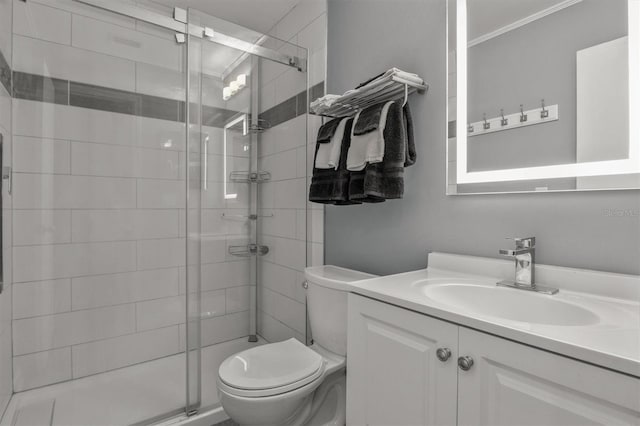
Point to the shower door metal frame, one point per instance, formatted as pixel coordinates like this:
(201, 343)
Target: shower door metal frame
(178, 23)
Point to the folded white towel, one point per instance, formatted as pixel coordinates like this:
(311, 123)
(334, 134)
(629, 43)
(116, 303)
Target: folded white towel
(402, 74)
(321, 104)
(367, 148)
(328, 155)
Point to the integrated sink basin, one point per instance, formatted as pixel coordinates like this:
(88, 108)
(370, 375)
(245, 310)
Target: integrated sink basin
(508, 304)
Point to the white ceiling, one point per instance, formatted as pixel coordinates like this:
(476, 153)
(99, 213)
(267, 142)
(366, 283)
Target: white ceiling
(258, 15)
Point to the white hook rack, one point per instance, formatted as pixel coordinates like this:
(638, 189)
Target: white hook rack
(516, 120)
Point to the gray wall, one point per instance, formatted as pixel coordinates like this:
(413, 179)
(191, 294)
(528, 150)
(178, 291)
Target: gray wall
(573, 229)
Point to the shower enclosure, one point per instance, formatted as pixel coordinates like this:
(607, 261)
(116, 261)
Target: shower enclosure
(158, 175)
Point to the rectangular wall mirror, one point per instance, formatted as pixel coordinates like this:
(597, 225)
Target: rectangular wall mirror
(540, 95)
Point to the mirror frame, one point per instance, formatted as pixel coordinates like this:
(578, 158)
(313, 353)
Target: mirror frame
(630, 165)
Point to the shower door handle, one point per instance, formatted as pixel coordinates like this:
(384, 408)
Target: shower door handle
(205, 161)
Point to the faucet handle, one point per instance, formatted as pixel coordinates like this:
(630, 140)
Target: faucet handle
(526, 242)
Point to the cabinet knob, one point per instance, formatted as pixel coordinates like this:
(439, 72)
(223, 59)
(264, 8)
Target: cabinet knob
(443, 354)
(465, 363)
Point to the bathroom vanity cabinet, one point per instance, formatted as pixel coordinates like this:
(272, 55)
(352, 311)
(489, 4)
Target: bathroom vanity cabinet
(407, 368)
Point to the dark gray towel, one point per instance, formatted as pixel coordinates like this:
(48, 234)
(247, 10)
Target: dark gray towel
(330, 186)
(325, 133)
(369, 119)
(385, 180)
(411, 156)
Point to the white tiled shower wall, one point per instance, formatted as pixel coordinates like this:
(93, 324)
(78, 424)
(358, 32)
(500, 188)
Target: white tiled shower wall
(98, 244)
(5, 297)
(290, 234)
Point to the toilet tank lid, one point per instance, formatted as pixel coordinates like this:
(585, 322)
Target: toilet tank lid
(334, 277)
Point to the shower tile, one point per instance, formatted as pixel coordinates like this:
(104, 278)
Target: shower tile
(159, 313)
(281, 224)
(161, 134)
(41, 369)
(104, 99)
(216, 117)
(238, 299)
(225, 328)
(69, 63)
(317, 91)
(280, 113)
(34, 191)
(38, 88)
(104, 355)
(5, 73)
(289, 84)
(279, 279)
(60, 330)
(281, 165)
(162, 253)
(159, 81)
(116, 224)
(290, 194)
(113, 289)
(89, 11)
(317, 68)
(301, 103)
(42, 22)
(32, 227)
(288, 311)
(214, 248)
(36, 155)
(272, 329)
(121, 161)
(34, 263)
(161, 108)
(113, 40)
(224, 275)
(53, 121)
(160, 194)
(41, 298)
(267, 98)
(212, 303)
(303, 156)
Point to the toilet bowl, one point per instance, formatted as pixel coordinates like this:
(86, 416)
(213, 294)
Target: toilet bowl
(288, 383)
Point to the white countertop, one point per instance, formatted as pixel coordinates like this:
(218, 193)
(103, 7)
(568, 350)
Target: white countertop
(613, 342)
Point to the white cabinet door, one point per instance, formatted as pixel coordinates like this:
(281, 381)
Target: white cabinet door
(513, 384)
(393, 374)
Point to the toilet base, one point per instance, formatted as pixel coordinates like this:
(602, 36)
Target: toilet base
(325, 406)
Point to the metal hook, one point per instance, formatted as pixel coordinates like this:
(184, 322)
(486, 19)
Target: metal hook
(504, 121)
(523, 116)
(545, 112)
(486, 124)
(469, 128)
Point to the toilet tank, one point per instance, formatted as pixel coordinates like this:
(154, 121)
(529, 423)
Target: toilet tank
(327, 291)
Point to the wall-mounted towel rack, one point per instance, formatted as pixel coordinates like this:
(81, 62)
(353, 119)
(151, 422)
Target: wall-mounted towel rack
(384, 89)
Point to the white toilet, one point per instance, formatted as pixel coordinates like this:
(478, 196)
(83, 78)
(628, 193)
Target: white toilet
(288, 383)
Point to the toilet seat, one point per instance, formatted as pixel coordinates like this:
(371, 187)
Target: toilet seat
(271, 369)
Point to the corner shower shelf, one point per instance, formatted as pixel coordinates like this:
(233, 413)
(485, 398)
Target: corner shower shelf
(249, 177)
(248, 250)
(245, 216)
(384, 89)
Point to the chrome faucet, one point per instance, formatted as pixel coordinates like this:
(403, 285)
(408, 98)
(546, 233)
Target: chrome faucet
(525, 258)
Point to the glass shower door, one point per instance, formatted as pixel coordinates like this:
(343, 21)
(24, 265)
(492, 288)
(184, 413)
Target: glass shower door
(98, 201)
(226, 185)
